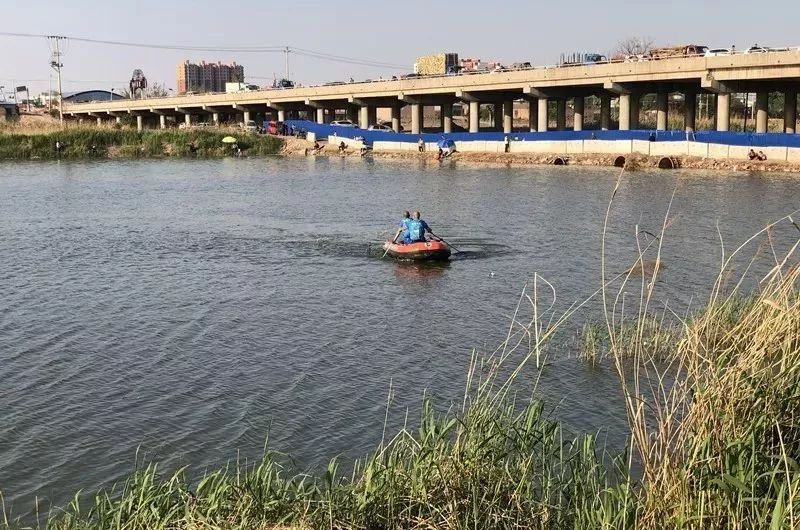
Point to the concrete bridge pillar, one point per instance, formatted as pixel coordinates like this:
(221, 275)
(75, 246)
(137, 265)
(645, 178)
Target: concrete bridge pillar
(723, 112)
(416, 118)
(561, 114)
(99, 121)
(363, 117)
(533, 115)
(605, 112)
(396, 118)
(624, 112)
(320, 117)
(447, 118)
(508, 116)
(579, 105)
(118, 119)
(690, 111)
(187, 119)
(790, 112)
(281, 115)
(246, 116)
(139, 122)
(162, 121)
(215, 118)
(497, 114)
(544, 117)
(762, 105)
(662, 109)
(634, 111)
(474, 116)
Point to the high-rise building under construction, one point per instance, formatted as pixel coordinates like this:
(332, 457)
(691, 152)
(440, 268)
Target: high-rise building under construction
(207, 77)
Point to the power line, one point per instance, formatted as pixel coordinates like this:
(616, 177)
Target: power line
(224, 49)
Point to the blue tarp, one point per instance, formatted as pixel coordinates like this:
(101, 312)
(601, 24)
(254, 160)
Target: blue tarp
(713, 137)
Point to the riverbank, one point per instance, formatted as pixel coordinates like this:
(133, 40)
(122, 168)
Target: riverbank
(631, 161)
(94, 142)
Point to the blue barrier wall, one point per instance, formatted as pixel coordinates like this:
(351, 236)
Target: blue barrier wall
(712, 137)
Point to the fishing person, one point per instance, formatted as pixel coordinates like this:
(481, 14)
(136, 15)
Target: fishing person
(403, 229)
(417, 228)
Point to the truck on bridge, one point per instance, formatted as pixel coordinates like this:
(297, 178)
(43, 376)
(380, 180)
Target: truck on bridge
(579, 58)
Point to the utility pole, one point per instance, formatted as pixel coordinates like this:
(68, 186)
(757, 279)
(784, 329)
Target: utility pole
(55, 63)
(287, 62)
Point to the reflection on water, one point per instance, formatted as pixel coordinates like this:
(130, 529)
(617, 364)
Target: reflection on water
(420, 271)
(189, 308)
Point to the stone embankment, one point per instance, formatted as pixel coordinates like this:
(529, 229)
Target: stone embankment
(295, 147)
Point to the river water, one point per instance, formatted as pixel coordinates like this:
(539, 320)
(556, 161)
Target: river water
(188, 310)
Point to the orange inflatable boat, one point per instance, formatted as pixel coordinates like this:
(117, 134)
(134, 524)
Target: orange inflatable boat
(423, 250)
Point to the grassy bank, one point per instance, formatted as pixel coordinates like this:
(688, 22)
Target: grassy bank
(716, 448)
(94, 142)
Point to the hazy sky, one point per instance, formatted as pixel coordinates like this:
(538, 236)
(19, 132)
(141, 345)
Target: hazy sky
(389, 32)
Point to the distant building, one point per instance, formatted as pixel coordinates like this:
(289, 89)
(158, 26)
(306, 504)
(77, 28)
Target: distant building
(85, 96)
(207, 77)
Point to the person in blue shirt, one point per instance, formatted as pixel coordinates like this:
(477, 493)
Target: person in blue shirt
(403, 229)
(417, 228)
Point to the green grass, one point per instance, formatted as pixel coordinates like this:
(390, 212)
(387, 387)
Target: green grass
(92, 142)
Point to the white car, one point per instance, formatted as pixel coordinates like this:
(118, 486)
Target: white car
(381, 127)
(344, 123)
(250, 126)
(763, 49)
(716, 52)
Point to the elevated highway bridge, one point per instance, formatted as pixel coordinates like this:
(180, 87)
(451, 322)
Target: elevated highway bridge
(624, 82)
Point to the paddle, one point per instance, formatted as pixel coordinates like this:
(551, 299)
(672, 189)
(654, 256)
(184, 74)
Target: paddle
(443, 240)
(393, 242)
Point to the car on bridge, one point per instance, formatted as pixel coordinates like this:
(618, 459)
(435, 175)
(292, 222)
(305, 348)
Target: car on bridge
(716, 52)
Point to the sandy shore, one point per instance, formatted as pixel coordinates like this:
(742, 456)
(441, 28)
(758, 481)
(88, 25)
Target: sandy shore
(296, 147)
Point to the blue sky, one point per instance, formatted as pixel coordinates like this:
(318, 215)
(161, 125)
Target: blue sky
(390, 32)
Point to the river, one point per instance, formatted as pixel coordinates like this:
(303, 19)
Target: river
(188, 310)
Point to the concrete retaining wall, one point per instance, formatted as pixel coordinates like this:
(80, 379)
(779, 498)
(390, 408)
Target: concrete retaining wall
(609, 147)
